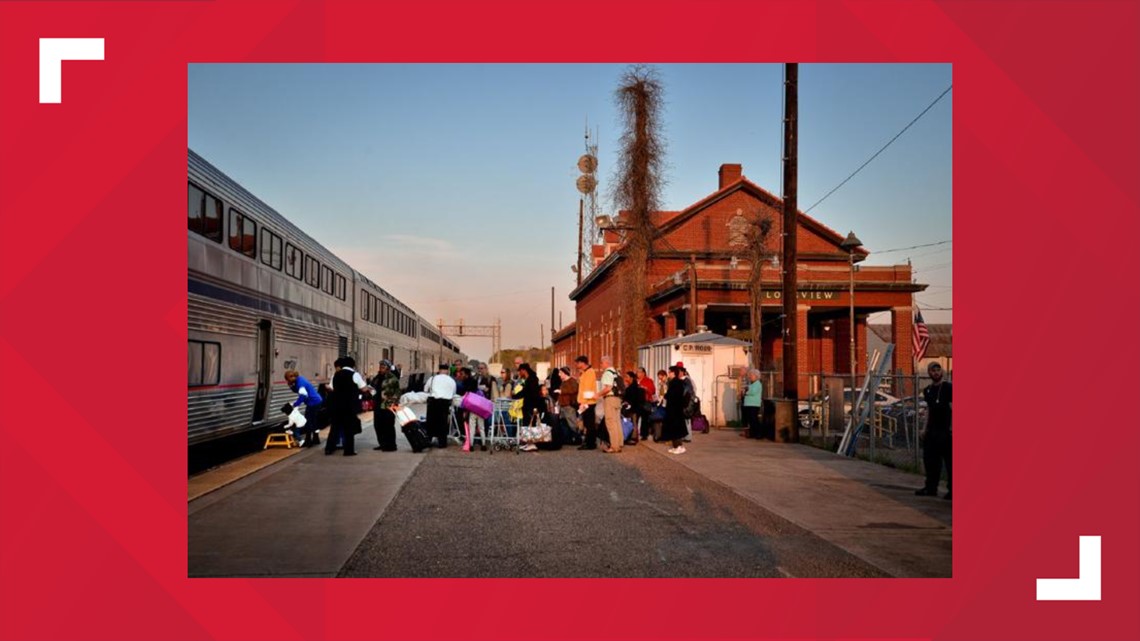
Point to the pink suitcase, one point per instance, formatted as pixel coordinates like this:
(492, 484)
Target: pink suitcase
(477, 405)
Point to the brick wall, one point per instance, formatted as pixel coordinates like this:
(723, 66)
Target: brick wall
(709, 230)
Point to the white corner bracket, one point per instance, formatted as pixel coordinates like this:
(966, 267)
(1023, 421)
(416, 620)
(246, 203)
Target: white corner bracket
(53, 51)
(1086, 587)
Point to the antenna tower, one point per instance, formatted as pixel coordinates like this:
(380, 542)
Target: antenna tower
(588, 185)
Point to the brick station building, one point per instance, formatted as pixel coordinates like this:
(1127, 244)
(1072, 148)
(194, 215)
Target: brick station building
(710, 234)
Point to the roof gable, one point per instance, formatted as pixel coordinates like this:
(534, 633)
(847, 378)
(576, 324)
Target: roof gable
(828, 237)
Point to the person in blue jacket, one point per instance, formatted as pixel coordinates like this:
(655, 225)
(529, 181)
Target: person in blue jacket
(310, 398)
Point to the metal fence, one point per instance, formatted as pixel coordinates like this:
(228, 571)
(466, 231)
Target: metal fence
(892, 435)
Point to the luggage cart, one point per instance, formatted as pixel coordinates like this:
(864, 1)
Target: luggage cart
(500, 426)
(455, 431)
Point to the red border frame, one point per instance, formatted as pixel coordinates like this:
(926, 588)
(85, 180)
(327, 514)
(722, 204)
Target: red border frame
(93, 521)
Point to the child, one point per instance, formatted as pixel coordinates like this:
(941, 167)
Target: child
(296, 423)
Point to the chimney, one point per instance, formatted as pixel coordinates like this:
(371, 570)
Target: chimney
(729, 173)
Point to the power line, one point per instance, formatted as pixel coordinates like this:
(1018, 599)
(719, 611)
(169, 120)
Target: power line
(481, 297)
(876, 154)
(899, 249)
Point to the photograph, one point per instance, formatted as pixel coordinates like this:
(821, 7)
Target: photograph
(482, 279)
(528, 308)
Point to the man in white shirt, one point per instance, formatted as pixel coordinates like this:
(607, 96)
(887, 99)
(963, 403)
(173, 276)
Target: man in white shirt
(610, 406)
(440, 390)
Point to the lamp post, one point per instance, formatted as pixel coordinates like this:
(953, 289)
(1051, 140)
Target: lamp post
(850, 243)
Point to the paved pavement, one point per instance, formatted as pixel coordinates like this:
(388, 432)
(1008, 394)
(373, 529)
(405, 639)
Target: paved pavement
(867, 509)
(301, 516)
(728, 507)
(584, 514)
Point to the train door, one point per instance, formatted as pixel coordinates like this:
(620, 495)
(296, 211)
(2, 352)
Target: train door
(264, 369)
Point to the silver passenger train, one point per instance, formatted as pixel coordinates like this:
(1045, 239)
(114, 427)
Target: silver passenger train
(264, 297)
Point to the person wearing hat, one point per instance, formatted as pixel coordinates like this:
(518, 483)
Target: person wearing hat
(440, 390)
(344, 405)
(939, 396)
(387, 386)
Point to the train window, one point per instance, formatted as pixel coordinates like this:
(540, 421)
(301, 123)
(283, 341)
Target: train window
(313, 271)
(270, 248)
(340, 287)
(204, 213)
(243, 233)
(294, 262)
(204, 363)
(327, 279)
(377, 309)
(365, 305)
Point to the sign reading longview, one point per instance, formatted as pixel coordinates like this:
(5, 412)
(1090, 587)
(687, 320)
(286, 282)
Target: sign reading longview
(776, 294)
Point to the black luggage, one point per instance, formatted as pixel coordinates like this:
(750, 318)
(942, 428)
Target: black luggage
(416, 435)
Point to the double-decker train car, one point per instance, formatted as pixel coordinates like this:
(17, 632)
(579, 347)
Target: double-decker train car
(265, 297)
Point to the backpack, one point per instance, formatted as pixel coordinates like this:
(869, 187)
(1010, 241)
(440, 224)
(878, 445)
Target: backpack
(618, 388)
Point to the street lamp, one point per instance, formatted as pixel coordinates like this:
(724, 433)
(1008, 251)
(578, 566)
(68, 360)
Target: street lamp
(850, 243)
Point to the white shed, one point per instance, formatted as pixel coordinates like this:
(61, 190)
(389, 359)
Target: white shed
(713, 362)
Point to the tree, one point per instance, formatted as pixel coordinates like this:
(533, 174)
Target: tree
(640, 169)
(756, 239)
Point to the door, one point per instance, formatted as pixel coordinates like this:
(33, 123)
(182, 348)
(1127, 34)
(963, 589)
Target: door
(264, 369)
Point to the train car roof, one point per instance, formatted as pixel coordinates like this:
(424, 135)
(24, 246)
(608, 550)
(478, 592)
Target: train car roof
(252, 204)
(266, 215)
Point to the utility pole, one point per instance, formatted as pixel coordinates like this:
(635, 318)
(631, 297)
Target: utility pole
(791, 224)
(693, 293)
(552, 330)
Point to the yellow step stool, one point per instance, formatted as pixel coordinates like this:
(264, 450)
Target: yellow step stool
(280, 439)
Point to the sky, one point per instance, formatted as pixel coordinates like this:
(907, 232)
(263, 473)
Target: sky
(453, 186)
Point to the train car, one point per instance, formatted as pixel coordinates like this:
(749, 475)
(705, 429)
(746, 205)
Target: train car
(385, 329)
(264, 297)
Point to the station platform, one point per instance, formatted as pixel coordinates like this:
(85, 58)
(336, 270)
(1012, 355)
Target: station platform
(292, 513)
(300, 513)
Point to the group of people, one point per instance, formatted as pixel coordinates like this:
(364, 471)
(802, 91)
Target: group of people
(580, 406)
(337, 404)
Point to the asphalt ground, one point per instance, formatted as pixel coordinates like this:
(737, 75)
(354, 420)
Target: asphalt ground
(577, 513)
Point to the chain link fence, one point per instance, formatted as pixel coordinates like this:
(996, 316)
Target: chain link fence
(892, 434)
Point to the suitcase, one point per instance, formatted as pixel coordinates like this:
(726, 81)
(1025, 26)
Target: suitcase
(700, 424)
(477, 405)
(416, 435)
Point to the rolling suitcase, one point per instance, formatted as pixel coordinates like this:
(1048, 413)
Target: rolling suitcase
(416, 435)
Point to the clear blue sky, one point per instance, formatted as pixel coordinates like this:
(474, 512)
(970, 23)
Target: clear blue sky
(452, 186)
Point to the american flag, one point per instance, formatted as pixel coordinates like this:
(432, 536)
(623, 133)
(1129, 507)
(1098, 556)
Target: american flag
(921, 336)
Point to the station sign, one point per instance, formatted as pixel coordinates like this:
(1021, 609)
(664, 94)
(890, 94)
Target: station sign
(804, 295)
